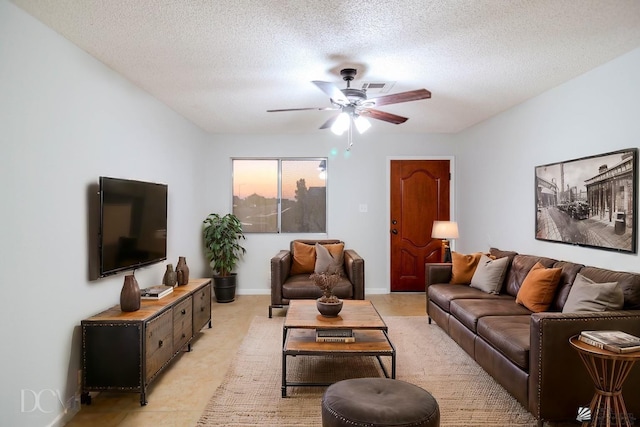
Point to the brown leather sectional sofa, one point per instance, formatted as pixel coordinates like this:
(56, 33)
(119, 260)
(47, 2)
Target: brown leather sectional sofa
(529, 353)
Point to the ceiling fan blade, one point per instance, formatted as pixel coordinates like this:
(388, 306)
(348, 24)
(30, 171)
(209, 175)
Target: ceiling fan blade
(413, 95)
(302, 109)
(384, 116)
(333, 92)
(329, 122)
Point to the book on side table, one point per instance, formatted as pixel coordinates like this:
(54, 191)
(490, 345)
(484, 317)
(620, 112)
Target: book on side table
(616, 341)
(156, 292)
(335, 335)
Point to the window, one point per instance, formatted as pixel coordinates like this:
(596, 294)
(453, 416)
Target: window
(280, 195)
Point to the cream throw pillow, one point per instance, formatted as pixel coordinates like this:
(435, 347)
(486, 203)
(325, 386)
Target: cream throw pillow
(489, 274)
(328, 262)
(588, 296)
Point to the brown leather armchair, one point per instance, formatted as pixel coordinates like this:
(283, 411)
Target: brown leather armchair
(286, 286)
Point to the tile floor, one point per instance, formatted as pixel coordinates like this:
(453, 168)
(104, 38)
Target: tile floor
(180, 394)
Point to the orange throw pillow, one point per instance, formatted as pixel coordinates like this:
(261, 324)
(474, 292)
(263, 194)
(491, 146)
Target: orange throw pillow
(539, 287)
(463, 267)
(304, 258)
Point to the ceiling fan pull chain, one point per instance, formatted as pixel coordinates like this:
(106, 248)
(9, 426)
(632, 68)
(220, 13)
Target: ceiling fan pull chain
(350, 135)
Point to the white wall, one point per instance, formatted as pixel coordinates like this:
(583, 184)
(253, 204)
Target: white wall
(66, 119)
(593, 114)
(357, 178)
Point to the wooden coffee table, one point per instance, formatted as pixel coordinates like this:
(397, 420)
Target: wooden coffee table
(299, 331)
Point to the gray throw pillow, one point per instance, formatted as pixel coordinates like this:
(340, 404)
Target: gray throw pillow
(586, 295)
(325, 263)
(489, 274)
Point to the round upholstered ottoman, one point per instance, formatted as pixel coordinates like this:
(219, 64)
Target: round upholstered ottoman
(378, 402)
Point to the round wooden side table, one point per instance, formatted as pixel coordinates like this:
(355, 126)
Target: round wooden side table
(608, 370)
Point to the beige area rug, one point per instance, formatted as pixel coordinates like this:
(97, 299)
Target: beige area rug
(250, 394)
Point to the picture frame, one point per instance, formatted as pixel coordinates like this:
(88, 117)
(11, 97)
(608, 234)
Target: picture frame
(589, 201)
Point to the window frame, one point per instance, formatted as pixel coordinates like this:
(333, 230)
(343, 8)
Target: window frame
(279, 196)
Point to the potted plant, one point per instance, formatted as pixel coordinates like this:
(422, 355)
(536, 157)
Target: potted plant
(222, 235)
(328, 304)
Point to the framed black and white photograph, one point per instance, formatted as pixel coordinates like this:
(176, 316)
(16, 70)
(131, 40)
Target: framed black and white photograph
(589, 201)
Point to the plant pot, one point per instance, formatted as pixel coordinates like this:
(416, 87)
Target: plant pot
(329, 309)
(224, 288)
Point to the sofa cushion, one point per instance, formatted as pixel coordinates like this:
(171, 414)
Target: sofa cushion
(510, 335)
(300, 286)
(502, 254)
(539, 287)
(489, 274)
(468, 311)
(520, 267)
(329, 259)
(629, 282)
(497, 253)
(463, 266)
(443, 294)
(569, 273)
(587, 295)
(304, 258)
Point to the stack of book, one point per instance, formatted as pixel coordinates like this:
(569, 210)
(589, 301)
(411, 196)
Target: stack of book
(335, 335)
(616, 341)
(156, 292)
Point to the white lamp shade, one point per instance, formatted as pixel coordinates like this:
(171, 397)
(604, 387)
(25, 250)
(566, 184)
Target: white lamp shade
(444, 230)
(362, 124)
(341, 124)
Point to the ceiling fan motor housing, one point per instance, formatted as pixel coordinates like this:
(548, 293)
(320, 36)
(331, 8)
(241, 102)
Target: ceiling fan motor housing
(355, 95)
(348, 74)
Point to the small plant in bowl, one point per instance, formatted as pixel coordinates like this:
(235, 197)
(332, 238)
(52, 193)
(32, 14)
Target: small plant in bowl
(328, 304)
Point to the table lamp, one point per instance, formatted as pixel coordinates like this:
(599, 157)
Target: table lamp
(445, 230)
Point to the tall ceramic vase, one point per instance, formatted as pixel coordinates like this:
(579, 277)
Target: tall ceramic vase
(182, 269)
(170, 277)
(130, 294)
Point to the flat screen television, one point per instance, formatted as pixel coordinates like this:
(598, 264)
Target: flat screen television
(133, 224)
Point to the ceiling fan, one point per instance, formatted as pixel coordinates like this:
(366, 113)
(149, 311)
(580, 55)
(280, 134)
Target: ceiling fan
(354, 105)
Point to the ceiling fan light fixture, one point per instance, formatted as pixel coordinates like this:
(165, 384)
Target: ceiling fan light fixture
(362, 124)
(341, 124)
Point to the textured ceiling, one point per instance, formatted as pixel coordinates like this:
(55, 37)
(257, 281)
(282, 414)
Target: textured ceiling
(223, 63)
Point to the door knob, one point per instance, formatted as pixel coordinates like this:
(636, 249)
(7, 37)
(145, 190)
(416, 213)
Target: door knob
(394, 231)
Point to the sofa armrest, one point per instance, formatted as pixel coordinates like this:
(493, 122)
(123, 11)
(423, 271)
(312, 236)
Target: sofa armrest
(558, 381)
(354, 269)
(280, 268)
(437, 273)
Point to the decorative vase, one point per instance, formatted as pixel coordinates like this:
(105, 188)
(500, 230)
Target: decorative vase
(130, 294)
(182, 270)
(329, 309)
(170, 277)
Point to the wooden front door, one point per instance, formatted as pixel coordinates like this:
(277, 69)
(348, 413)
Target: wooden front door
(419, 194)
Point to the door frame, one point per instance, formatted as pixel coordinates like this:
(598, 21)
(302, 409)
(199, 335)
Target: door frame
(388, 204)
